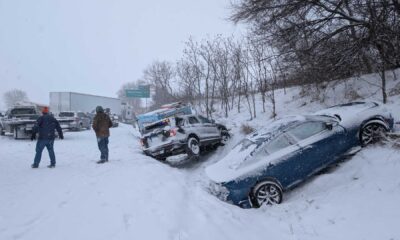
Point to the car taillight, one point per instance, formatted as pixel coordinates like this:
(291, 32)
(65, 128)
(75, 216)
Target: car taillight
(172, 132)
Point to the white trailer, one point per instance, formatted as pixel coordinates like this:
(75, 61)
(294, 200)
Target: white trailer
(71, 101)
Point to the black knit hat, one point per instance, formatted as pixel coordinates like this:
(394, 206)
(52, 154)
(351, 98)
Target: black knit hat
(99, 109)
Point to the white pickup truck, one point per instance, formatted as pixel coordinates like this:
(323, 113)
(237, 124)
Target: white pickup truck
(20, 120)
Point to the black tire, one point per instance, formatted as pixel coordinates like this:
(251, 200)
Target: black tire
(193, 147)
(225, 136)
(162, 159)
(267, 192)
(2, 133)
(372, 133)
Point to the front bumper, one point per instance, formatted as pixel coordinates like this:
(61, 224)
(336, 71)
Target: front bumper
(235, 196)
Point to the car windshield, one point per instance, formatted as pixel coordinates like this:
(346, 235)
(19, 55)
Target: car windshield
(307, 129)
(23, 111)
(245, 144)
(156, 125)
(66, 114)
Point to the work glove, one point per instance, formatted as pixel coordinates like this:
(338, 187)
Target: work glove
(33, 137)
(61, 136)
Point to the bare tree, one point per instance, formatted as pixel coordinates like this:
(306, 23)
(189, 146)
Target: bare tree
(13, 96)
(160, 75)
(134, 102)
(328, 38)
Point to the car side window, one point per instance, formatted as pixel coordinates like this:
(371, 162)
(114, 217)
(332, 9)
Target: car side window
(278, 143)
(307, 129)
(204, 119)
(193, 120)
(179, 122)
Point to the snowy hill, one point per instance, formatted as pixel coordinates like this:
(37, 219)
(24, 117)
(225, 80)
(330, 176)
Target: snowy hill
(136, 197)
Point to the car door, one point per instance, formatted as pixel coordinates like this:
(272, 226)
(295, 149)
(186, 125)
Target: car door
(319, 144)
(282, 155)
(194, 126)
(209, 128)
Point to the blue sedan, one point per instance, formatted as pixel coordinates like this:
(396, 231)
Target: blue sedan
(288, 151)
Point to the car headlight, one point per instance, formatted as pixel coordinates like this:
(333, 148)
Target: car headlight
(218, 190)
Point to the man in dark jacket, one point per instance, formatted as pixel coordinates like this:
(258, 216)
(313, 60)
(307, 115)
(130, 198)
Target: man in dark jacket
(101, 125)
(45, 126)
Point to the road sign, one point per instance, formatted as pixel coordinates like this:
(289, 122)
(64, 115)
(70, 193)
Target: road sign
(143, 91)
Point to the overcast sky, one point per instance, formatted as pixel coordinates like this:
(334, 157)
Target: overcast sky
(94, 46)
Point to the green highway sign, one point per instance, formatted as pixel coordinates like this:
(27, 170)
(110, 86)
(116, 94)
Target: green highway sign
(141, 92)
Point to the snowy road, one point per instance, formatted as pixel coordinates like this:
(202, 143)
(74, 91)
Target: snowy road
(136, 197)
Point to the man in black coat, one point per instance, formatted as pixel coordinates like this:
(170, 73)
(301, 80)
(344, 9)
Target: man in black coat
(45, 126)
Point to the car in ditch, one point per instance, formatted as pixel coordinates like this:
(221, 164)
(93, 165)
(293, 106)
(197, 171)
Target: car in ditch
(75, 121)
(288, 151)
(188, 134)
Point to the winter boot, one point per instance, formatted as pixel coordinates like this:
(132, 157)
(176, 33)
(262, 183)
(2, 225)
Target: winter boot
(34, 166)
(51, 166)
(101, 161)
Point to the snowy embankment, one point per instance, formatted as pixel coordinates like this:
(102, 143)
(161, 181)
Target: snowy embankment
(136, 197)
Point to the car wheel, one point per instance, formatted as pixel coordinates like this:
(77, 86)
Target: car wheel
(266, 193)
(193, 147)
(2, 133)
(372, 133)
(225, 138)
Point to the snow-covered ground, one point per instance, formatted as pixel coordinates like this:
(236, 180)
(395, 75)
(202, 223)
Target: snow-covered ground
(136, 197)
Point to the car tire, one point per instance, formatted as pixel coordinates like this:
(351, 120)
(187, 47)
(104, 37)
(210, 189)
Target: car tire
(224, 138)
(162, 159)
(2, 133)
(372, 133)
(193, 147)
(267, 192)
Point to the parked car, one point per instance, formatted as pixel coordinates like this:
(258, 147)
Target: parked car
(19, 120)
(182, 134)
(115, 120)
(70, 120)
(288, 151)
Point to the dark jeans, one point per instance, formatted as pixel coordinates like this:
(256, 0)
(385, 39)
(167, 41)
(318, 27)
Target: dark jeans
(40, 145)
(102, 142)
